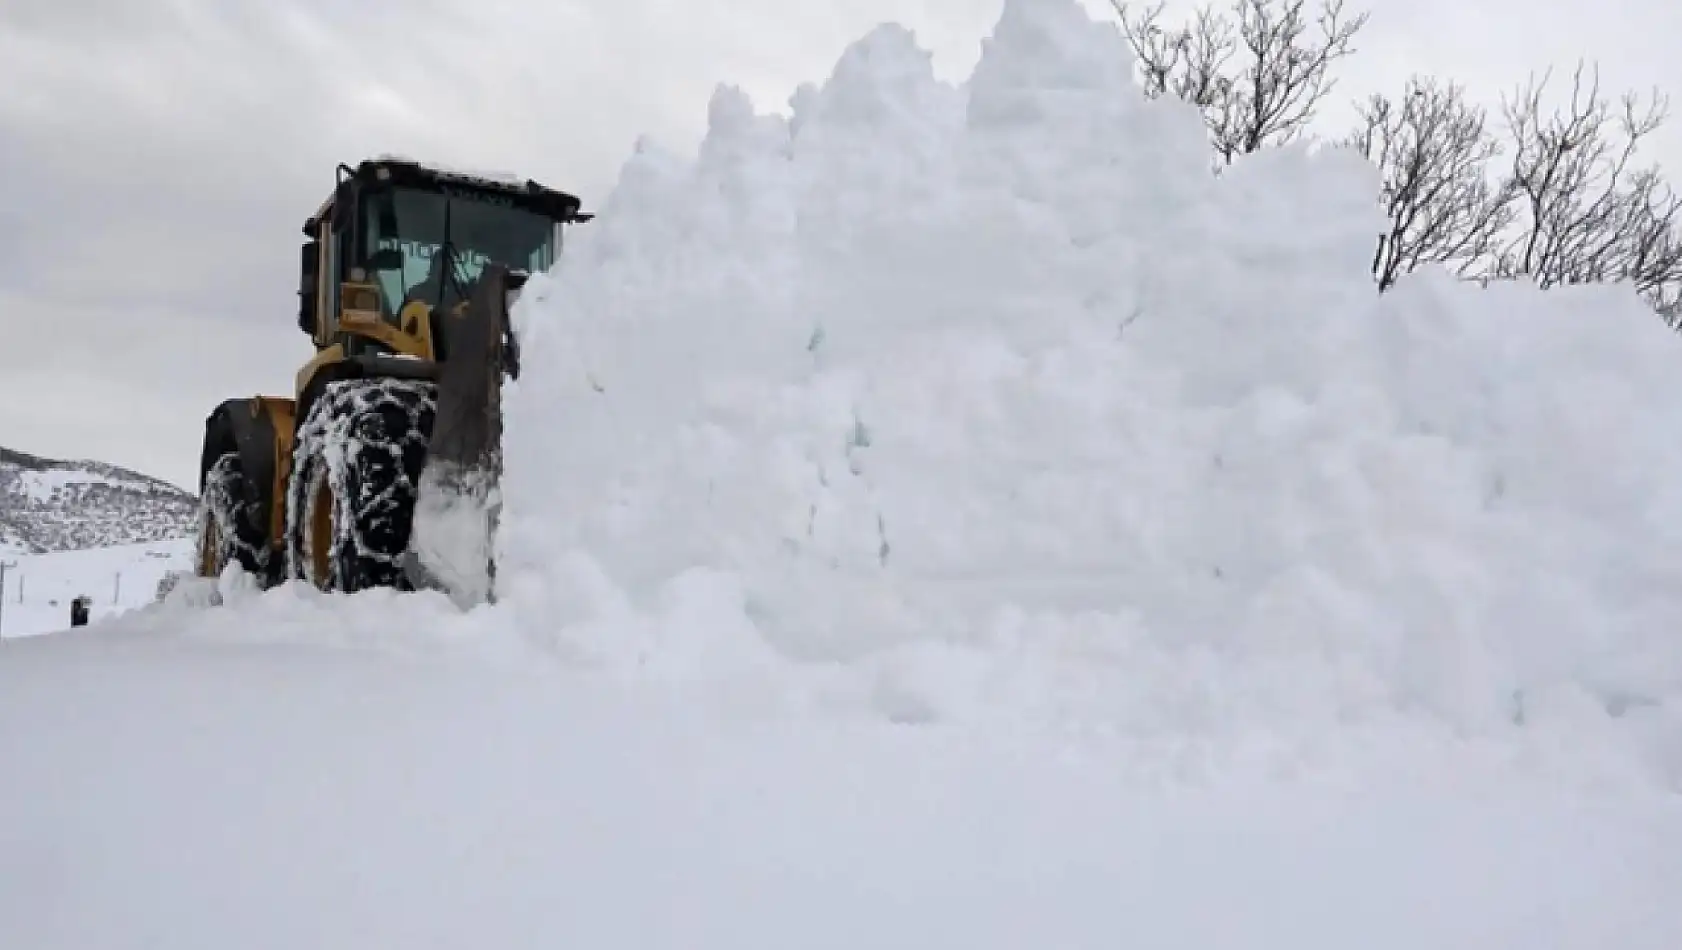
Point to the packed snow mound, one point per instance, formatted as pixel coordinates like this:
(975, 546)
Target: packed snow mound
(995, 386)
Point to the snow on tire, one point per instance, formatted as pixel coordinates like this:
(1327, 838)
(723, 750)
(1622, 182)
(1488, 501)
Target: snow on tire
(364, 441)
(224, 531)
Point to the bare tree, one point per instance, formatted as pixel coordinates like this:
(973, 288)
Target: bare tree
(1258, 72)
(1433, 151)
(1556, 198)
(1586, 212)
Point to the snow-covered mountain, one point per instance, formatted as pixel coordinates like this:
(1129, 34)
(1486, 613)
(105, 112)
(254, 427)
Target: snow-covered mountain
(53, 505)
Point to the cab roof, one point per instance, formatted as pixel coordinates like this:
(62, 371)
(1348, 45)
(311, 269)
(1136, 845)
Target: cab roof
(525, 194)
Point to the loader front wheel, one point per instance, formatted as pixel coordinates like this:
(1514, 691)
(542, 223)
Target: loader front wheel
(318, 520)
(351, 494)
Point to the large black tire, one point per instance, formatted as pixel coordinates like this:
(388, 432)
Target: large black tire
(228, 529)
(356, 464)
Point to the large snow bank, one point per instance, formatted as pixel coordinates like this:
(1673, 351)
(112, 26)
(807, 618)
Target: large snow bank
(995, 391)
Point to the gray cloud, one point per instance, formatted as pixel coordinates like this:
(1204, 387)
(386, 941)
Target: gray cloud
(159, 158)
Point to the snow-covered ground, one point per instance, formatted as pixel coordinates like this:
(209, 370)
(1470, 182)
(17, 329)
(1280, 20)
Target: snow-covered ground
(38, 588)
(171, 793)
(947, 517)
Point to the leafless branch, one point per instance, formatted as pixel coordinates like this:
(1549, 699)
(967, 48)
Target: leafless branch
(1586, 211)
(1258, 72)
(1555, 197)
(1433, 151)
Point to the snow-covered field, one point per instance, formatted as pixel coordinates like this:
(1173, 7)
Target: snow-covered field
(946, 517)
(162, 793)
(38, 588)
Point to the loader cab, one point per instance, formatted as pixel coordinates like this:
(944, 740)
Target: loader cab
(396, 231)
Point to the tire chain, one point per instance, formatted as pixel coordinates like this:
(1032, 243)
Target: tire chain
(341, 417)
(218, 504)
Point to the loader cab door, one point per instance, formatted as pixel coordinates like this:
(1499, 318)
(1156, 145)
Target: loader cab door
(337, 236)
(309, 292)
(318, 282)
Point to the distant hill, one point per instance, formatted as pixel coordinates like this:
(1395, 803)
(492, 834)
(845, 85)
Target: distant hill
(47, 505)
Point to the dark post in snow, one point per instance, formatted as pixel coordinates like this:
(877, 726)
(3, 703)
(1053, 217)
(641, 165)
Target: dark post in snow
(3, 566)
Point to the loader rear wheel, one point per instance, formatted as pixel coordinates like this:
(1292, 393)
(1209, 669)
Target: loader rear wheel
(225, 532)
(351, 494)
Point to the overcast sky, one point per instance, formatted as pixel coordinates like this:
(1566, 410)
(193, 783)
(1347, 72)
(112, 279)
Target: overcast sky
(158, 157)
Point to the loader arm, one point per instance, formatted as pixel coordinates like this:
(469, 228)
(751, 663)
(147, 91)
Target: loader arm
(459, 501)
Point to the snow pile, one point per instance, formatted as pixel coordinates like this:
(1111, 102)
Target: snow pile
(993, 390)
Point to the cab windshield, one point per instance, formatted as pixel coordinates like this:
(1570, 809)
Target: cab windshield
(419, 225)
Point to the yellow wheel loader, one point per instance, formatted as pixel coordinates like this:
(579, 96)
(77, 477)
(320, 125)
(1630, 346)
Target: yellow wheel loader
(381, 469)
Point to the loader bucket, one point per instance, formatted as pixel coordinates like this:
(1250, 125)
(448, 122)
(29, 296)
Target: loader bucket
(451, 546)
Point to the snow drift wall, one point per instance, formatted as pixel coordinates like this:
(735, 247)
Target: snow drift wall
(948, 370)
